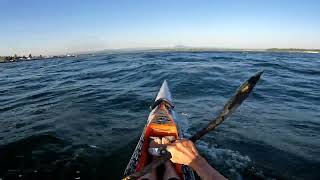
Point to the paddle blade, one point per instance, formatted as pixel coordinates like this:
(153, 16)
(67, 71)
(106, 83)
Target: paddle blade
(242, 93)
(235, 101)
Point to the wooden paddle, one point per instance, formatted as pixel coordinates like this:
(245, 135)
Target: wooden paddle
(235, 101)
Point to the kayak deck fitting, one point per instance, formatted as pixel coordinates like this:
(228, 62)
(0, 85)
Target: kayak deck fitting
(161, 122)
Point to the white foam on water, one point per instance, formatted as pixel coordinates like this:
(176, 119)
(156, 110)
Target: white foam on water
(183, 124)
(231, 162)
(185, 114)
(93, 146)
(228, 160)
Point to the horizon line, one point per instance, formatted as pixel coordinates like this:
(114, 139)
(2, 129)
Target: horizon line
(177, 47)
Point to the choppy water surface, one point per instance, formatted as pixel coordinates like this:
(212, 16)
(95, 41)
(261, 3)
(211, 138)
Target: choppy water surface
(64, 118)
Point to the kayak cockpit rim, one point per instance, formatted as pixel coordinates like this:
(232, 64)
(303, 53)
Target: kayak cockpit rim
(169, 104)
(163, 96)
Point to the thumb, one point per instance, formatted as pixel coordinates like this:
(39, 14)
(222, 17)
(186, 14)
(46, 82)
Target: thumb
(169, 148)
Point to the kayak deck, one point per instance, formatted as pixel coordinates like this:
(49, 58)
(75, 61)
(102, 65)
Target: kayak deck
(161, 125)
(161, 122)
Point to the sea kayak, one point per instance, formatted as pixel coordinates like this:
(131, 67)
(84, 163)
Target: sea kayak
(162, 121)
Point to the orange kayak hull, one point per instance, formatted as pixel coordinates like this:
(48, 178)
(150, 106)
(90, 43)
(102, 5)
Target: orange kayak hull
(161, 122)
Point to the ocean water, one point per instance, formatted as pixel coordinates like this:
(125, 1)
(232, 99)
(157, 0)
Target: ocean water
(82, 117)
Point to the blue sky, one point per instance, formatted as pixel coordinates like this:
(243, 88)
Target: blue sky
(60, 26)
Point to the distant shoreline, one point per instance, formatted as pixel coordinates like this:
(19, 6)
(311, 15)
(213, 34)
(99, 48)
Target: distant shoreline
(15, 58)
(204, 49)
(7, 59)
(294, 50)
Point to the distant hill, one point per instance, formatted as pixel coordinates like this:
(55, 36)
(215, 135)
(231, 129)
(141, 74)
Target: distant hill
(294, 50)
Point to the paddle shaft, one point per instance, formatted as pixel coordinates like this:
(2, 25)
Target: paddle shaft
(235, 101)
